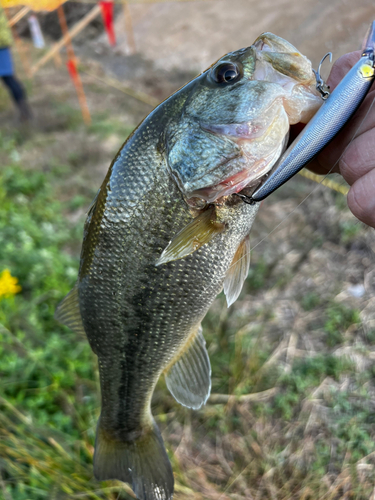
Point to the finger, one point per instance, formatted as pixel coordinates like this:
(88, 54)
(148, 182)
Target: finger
(358, 159)
(361, 199)
(355, 125)
(363, 120)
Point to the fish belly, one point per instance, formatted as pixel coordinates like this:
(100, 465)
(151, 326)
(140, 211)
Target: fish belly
(138, 316)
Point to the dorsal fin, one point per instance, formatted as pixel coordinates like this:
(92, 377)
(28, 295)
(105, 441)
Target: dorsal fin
(68, 312)
(189, 378)
(237, 272)
(198, 232)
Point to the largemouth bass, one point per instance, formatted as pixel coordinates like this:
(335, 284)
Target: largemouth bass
(166, 232)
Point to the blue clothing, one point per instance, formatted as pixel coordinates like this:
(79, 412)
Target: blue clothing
(15, 88)
(6, 75)
(6, 64)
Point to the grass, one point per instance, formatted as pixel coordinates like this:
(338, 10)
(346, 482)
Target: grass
(41, 418)
(289, 337)
(339, 319)
(304, 375)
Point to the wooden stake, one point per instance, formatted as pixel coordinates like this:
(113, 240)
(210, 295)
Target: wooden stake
(17, 17)
(129, 28)
(65, 32)
(71, 57)
(77, 28)
(57, 60)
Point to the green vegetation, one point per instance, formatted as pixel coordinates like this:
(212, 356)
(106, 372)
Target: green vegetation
(306, 374)
(339, 318)
(48, 392)
(310, 301)
(349, 230)
(257, 275)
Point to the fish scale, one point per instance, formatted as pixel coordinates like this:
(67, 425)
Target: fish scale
(204, 270)
(163, 235)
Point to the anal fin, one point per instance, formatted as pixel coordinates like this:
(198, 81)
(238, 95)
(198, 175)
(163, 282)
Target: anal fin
(68, 312)
(189, 378)
(237, 272)
(197, 233)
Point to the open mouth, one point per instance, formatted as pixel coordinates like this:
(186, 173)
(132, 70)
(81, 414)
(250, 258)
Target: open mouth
(260, 150)
(240, 180)
(286, 99)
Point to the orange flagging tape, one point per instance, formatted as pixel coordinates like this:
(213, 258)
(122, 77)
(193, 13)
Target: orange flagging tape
(107, 14)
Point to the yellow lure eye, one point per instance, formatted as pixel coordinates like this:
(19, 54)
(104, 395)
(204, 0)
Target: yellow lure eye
(367, 71)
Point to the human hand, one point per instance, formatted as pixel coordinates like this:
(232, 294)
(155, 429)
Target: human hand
(357, 163)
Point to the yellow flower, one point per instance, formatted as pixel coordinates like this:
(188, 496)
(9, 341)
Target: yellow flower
(8, 284)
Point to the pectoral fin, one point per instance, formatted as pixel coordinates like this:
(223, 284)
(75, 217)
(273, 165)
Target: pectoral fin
(237, 272)
(198, 232)
(189, 378)
(68, 312)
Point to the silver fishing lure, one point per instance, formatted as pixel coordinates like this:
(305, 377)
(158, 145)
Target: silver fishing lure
(336, 110)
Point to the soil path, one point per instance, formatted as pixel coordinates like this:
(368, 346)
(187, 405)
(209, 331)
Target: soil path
(189, 36)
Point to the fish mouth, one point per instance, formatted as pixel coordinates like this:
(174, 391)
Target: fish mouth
(237, 182)
(261, 145)
(261, 141)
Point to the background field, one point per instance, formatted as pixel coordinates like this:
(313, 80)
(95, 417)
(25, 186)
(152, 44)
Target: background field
(292, 410)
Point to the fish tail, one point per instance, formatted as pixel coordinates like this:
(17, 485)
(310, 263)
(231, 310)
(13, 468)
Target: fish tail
(142, 462)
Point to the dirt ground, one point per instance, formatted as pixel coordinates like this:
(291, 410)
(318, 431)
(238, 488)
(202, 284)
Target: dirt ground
(190, 36)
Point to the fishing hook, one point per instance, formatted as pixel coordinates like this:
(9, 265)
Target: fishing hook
(321, 85)
(246, 199)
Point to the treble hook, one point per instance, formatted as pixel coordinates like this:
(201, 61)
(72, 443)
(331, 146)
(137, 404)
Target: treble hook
(321, 85)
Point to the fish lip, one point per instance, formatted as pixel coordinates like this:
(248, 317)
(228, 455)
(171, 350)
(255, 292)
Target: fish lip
(232, 184)
(232, 134)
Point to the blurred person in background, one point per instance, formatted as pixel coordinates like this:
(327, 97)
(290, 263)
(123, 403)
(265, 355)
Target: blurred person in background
(7, 72)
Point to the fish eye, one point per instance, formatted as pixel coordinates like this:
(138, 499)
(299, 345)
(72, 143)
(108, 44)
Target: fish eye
(226, 73)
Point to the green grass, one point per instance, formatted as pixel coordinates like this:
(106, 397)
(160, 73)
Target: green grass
(310, 301)
(48, 391)
(349, 230)
(105, 126)
(339, 318)
(306, 374)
